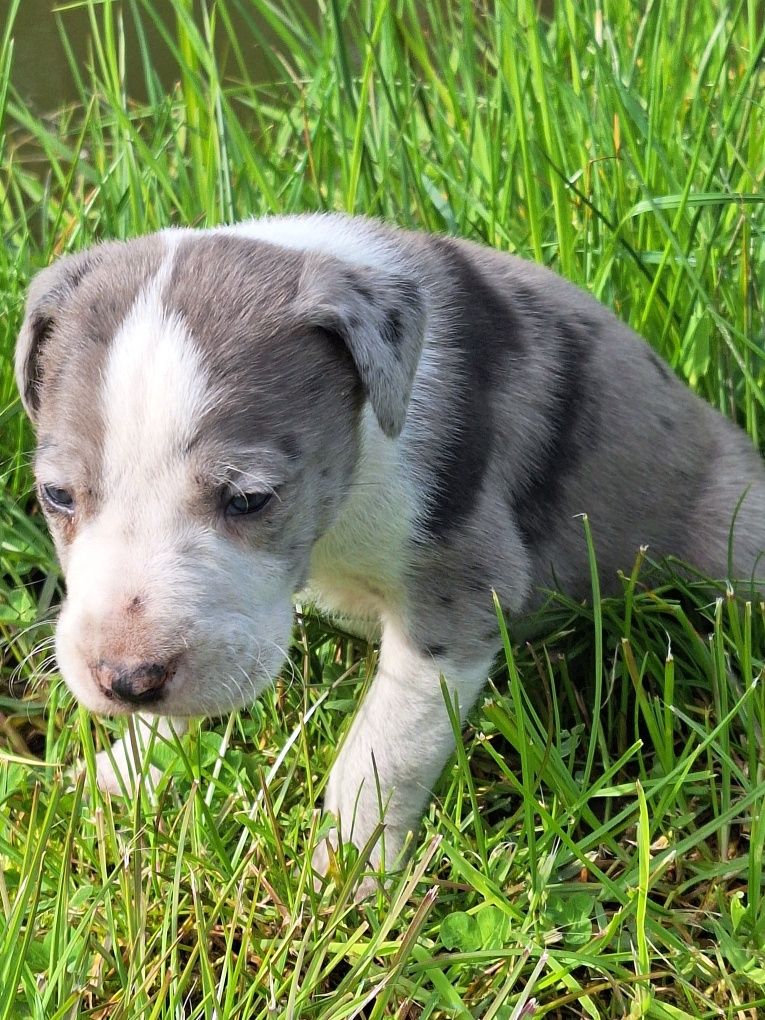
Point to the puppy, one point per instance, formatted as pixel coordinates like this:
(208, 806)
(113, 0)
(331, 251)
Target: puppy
(397, 423)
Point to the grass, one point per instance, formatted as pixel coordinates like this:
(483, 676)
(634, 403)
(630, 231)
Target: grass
(595, 848)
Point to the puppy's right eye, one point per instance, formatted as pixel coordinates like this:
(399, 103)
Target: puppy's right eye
(58, 499)
(242, 504)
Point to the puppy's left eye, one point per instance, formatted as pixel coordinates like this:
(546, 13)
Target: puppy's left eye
(58, 498)
(243, 503)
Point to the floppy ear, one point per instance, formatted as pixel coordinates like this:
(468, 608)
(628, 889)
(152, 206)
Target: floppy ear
(48, 292)
(379, 315)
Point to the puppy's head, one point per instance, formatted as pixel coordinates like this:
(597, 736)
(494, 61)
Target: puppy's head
(197, 399)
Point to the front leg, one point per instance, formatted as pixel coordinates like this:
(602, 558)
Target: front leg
(398, 744)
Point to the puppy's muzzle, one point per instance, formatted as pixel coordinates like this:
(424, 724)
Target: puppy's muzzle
(135, 684)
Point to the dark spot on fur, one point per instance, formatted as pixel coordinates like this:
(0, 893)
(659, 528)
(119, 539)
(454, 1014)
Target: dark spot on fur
(571, 425)
(291, 445)
(408, 302)
(392, 331)
(666, 423)
(363, 290)
(445, 599)
(135, 605)
(436, 650)
(41, 327)
(487, 336)
(475, 578)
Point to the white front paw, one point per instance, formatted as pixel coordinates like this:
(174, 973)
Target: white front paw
(119, 769)
(322, 861)
(370, 818)
(107, 775)
(117, 772)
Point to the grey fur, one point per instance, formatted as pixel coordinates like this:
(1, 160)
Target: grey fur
(59, 321)
(586, 419)
(508, 403)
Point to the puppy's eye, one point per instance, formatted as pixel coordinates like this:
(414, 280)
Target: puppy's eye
(243, 503)
(58, 499)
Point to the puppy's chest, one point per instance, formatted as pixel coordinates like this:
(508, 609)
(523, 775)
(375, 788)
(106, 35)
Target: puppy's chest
(358, 568)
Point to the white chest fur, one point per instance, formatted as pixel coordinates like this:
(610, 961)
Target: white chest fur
(357, 567)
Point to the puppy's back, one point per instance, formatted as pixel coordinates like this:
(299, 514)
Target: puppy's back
(582, 416)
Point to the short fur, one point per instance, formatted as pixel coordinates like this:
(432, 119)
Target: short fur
(432, 417)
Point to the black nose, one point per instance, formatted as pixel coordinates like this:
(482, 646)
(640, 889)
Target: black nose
(137, 685)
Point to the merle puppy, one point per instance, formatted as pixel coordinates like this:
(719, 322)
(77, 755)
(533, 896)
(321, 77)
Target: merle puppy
(396, 423)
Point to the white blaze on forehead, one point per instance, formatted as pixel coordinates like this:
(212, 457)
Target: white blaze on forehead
(155, 385)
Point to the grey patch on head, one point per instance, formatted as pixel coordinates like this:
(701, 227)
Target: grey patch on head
(74, 309)
(48, 293)
(376, 316)
(279, 382)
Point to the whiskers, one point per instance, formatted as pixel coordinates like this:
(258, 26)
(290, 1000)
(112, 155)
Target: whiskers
(40, 659)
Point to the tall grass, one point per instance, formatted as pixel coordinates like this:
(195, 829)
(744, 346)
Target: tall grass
(596, 846)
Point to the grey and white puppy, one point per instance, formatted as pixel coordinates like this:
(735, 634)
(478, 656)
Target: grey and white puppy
(397, 423)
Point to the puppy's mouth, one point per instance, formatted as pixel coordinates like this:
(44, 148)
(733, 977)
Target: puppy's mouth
(142, 698)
